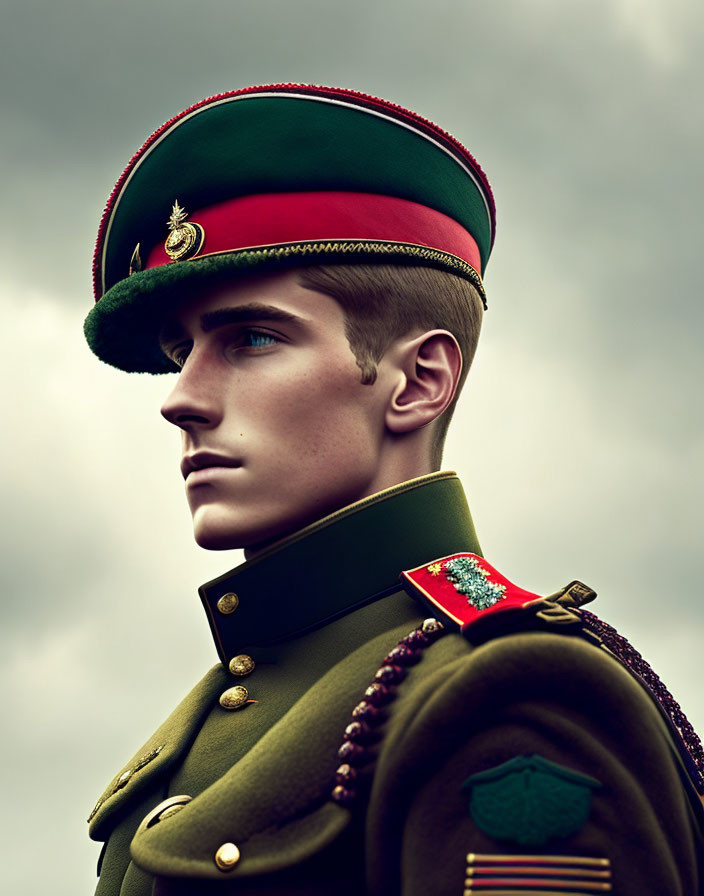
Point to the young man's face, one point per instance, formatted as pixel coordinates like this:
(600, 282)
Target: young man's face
(277, 429)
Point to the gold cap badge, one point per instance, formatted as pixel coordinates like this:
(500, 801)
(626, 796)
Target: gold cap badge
(185, 238)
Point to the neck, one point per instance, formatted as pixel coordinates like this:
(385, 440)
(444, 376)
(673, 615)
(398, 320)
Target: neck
(394, 469)
(345, 560)
(397, 466)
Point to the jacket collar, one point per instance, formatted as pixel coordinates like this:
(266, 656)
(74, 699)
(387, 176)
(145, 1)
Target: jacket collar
(343, 561)
(323, 572)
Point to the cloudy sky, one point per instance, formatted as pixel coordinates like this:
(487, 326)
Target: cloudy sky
(580, 436)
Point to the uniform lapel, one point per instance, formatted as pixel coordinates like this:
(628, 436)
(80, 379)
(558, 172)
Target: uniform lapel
(274, 804)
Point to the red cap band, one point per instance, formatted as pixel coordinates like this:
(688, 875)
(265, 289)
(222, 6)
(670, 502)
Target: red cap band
(271, 219)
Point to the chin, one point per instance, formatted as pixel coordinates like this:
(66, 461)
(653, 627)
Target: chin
(217, 541)
(219, 527)
(227, 534)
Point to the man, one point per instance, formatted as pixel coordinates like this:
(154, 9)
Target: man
(390, 714)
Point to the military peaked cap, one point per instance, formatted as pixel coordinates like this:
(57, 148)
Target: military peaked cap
(268, 177)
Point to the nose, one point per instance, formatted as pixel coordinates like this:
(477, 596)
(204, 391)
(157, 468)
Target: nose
(192, 403)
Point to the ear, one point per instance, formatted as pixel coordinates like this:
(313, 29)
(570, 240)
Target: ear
(429, 368)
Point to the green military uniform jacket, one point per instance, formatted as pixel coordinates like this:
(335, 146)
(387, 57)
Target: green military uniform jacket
(533, 749)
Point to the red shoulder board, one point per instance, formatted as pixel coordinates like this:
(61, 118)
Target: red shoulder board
(463, 589)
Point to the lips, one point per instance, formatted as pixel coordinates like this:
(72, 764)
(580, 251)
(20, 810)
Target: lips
(201, 460)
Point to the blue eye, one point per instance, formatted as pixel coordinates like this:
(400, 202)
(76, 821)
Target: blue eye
(254, 339)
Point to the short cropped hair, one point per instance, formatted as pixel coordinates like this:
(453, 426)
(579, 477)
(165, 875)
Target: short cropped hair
(386, 302)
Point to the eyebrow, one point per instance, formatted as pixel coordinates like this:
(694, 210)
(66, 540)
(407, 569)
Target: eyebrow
(212, 320)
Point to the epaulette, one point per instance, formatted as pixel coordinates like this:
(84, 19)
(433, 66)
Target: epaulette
(463, 593)
(467, 594)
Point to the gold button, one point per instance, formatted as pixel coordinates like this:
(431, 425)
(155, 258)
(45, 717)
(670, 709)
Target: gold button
(165, 809)
(234, 698)
(227, 857)
(242, 665)
(228, 603)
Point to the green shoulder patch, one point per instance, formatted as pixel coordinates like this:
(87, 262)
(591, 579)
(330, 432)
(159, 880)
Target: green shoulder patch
(530, 800)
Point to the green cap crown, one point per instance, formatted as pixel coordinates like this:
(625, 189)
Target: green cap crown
(270, 141)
